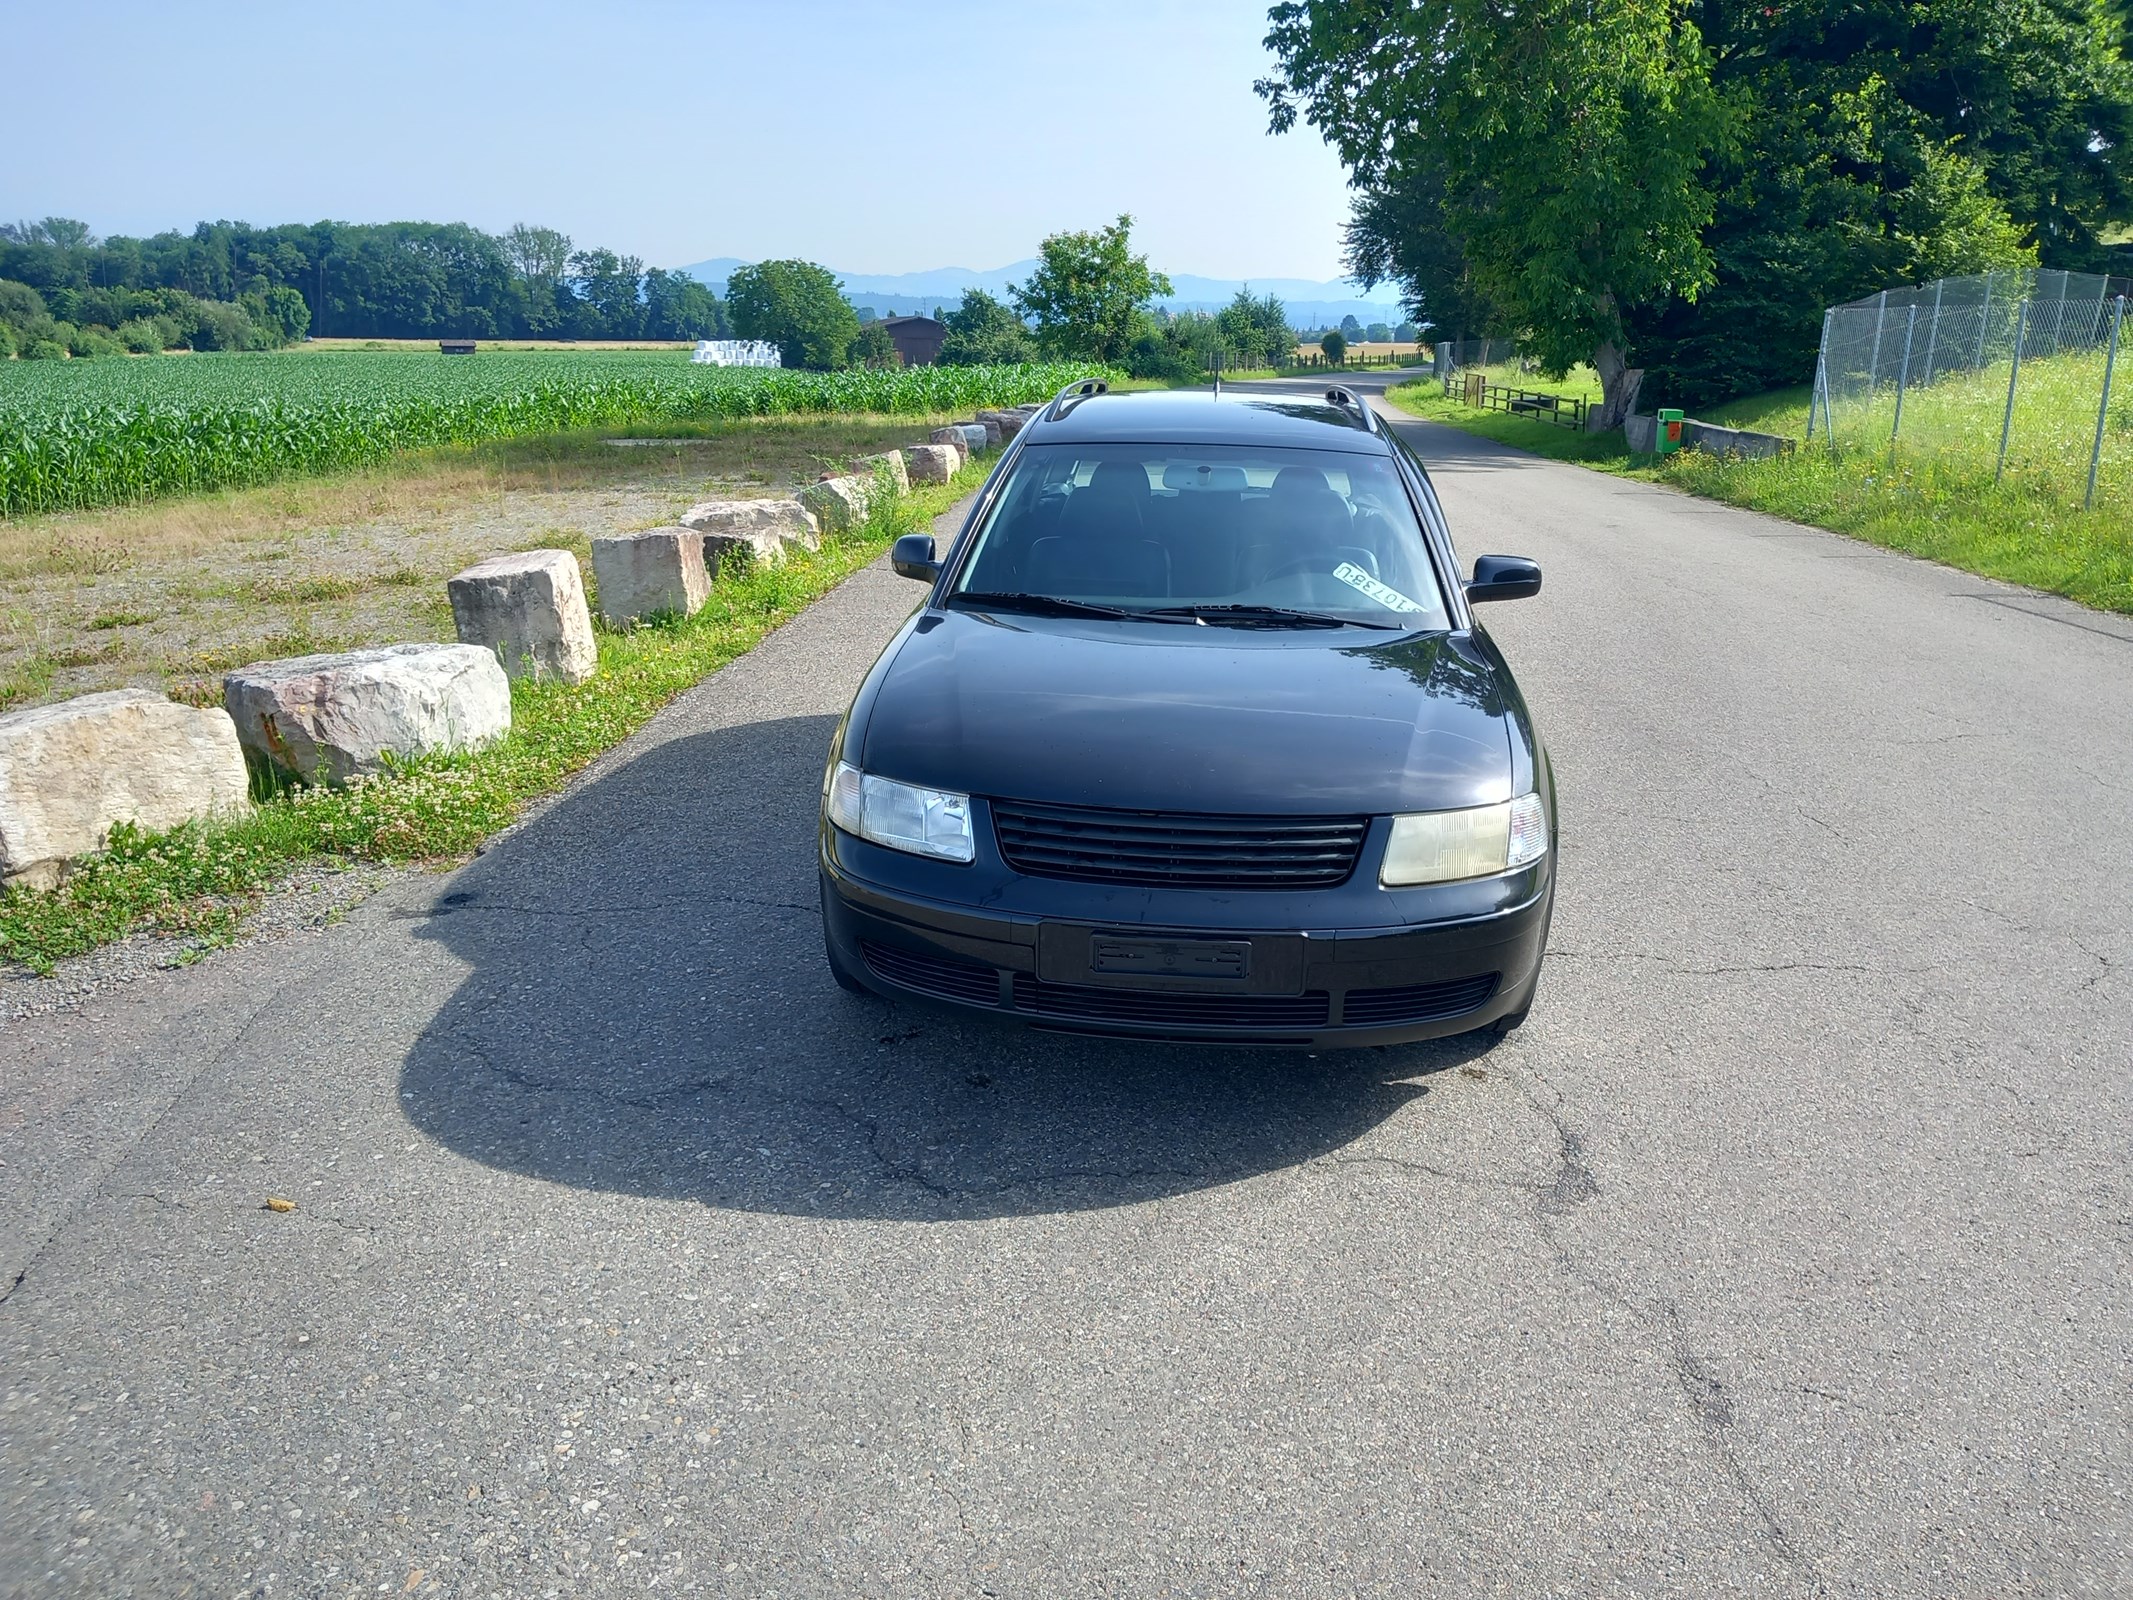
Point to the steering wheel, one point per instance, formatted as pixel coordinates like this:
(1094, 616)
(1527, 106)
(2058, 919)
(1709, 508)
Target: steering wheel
(1365, 559)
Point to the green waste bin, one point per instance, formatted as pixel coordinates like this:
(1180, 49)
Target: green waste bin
(1668, 433)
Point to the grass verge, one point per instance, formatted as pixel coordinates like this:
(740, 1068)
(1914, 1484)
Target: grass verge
(1932, 495)
(198, 881)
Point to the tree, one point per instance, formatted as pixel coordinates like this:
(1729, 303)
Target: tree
(1335, 345)
(1351, 330)
(1255, 332)
(797, 306)
(537, 255)
(982, 332)
(608, 286)
(1565, 141)
(873, 347)
(280, 309)
(1888, 143)
(1086, 292)
(676, 306)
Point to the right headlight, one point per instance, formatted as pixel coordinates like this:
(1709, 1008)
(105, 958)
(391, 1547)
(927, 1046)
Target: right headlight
(1445, 846)
(902, 816)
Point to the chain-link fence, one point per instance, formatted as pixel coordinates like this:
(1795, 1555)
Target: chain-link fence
(2012, 369)
(1455, 355)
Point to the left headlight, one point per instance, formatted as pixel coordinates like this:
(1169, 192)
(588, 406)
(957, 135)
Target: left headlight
(1445, 846)
(902, 816)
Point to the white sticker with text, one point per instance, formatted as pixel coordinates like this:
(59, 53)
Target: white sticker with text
(1384, 594)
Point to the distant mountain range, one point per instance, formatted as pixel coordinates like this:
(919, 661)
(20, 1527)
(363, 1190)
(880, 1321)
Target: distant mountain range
(1311, 302)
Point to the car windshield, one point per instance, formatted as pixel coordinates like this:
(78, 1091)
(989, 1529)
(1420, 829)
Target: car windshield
(1227, 535)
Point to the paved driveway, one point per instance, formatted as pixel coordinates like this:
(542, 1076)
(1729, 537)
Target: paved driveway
(1783, 1253)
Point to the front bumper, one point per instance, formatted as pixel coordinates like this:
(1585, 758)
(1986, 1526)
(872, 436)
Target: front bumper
(1337, 987)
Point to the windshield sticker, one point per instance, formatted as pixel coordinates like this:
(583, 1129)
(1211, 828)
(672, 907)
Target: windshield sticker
(1384, 594)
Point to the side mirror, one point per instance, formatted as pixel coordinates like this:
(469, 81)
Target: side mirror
(912, 557)
(1504, 578)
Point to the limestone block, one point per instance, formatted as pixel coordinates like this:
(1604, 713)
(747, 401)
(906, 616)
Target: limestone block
(840, 504)
(646, 574)
(1008, 422)
(71, 772)
(991, 429)
(530, 609)
(891, 462)
(766, 525)
(956, 440)
(975, 437)
(932, 463)
(745, 548)
(335, 717)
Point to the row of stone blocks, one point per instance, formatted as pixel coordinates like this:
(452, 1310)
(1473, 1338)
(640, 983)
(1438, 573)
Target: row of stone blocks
(71, 772)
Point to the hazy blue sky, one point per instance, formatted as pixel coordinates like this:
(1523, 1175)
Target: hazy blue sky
(875, 138)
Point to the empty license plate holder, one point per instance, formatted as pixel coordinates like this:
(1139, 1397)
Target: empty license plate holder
(1135, 959)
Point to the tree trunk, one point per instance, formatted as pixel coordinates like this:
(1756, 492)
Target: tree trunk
(1619, 383)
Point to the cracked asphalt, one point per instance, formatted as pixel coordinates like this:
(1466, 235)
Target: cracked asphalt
(1783, 1253)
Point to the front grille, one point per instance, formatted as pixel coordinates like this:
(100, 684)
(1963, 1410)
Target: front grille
(1163, 1008)
(939, 976)
(1418, 1002)
(1172, 850)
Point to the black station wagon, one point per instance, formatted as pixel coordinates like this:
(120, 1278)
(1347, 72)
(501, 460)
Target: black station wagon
(1196, 738)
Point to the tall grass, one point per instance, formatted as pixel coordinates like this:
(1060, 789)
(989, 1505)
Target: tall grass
(80, 433)
(1929, 487)
(1928, 491)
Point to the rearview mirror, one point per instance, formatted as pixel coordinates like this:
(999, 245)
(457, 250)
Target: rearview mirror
(912, 557)
(1504, 578)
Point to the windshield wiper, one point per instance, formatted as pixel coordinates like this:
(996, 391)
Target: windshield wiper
(1267, 617)
(1039, 604)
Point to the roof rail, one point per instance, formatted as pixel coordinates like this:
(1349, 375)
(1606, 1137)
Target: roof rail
(1074, 394)
(1345, 400)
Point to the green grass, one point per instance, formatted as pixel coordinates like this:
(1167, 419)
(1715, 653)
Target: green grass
(1930, 493)
(1427, 399)
(89, 433)
(199, 880)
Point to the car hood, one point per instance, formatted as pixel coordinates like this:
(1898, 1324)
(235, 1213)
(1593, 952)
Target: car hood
(1166, 718)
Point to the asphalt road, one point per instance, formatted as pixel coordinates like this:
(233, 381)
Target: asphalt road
(1783, 1253)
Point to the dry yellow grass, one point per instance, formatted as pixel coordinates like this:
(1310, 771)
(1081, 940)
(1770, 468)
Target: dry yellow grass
(172, 594)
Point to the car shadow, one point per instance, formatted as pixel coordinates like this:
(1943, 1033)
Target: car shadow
(648, 1012)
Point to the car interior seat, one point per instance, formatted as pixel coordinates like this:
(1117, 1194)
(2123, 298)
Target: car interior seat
(1102, 546)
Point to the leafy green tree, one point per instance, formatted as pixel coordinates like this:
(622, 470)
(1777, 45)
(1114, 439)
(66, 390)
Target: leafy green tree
(1889, 143)
(1567, 140)
(279, 311)
(872, 347)
(983, 332)
(1379, 333)
(1351, 329)
(797, 306)
(607, 286)
(1406, 333)
(676, 306)
(1335, 346)
(1255, 332)
(1086, 292)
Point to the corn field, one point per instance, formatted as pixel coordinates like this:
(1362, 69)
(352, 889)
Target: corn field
(87, 433)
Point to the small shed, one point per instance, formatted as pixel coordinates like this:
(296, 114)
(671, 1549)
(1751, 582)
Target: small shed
(456, 347)
(917, 339)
